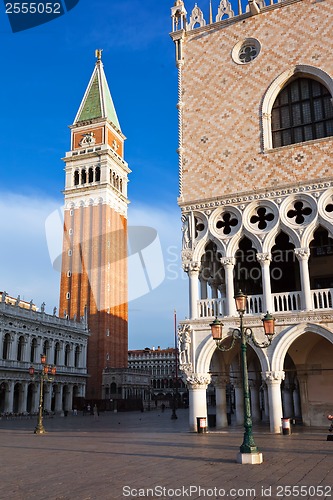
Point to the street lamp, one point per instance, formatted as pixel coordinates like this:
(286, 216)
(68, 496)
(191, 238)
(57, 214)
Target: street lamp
(47, 374)
(249, 452)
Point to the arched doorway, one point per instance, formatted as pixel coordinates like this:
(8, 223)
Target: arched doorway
(227, 382)
(309, 367)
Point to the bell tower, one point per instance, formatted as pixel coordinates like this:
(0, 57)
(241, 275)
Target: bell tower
(94, 260)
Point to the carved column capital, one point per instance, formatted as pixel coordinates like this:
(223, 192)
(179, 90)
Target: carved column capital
(264, 258)
(302, 253)
(227, 261)
(199, 380)
(193, 268)
(273, 377)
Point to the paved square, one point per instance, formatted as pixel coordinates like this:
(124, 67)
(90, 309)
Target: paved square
(148, 455)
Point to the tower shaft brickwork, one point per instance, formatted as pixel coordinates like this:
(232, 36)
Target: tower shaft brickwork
(94, 262)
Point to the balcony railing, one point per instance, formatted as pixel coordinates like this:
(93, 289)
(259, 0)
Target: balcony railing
(282, 302)
(287, 302)
(322, 298)
(211, 307)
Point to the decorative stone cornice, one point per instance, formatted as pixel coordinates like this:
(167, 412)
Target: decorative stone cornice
(317, 188)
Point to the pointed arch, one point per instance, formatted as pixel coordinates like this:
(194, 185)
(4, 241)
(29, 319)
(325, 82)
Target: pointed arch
(208, 348)
(235, 240)
(289, 335)
(199, 250)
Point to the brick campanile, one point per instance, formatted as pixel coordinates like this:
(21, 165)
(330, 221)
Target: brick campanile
(94, 261)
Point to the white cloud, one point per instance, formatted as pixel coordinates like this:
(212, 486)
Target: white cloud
(26, 268)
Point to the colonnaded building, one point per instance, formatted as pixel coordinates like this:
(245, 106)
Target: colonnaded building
(256, 194)
(25, 334)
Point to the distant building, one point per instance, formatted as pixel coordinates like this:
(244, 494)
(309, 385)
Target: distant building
(25, 334)
(126, 384)
(165, 376)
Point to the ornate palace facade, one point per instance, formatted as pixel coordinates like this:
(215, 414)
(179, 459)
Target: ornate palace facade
(255, 113)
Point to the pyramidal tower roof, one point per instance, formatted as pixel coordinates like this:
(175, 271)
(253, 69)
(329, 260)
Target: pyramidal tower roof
(97, 101)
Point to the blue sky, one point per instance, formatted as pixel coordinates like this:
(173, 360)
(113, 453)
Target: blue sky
(45, 71)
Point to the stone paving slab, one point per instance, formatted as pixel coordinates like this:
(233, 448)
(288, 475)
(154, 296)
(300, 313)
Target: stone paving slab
(148, 455)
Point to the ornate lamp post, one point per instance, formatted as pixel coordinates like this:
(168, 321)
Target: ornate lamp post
(46, 374)
(249, 452)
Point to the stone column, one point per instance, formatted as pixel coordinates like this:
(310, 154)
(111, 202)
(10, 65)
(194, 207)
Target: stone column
(58, 399)
(303, 255)
(14, 344)
(229, 263)
(265, 260)
(71, 355)
(9, 397)
(303, 395)
(273, 381)
(255, 402)
(47, 396)
(197, 384)
(23, 397)
(10, 352)
(35, 398)
(239, 402)
(25, 353)
(220, 384)
(61, 354)
(287, 398)
(203, 288)
(68, 403)
(193, 273)
(51, 352)
(296, 401)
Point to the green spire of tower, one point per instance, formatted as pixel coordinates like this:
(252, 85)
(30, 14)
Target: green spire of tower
(97, 101)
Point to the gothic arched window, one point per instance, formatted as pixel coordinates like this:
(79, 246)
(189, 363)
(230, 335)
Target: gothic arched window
(76, 178)
(67, 354)
(20, 349)
(302, 111)
(33, 350)
(5, 346)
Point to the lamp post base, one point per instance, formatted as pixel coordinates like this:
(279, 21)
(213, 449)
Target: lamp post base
(250, 458)
(39, 430)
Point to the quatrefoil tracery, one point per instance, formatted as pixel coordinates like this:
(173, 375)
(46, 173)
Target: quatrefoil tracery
(227, 222)
(263, 216)
(299, 212)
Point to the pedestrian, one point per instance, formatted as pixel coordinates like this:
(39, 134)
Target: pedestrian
(330, 417)
(95, 411)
